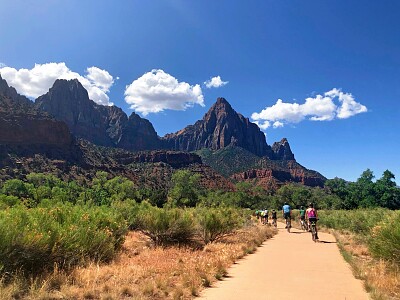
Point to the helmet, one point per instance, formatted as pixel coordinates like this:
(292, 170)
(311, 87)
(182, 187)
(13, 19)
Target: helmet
(311, 204)
(302, 207)
(285, 203)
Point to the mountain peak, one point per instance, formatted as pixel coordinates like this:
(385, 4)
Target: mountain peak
(220, 127)
(282, 150)
(221, 100)
(222, 105)
(10, 97)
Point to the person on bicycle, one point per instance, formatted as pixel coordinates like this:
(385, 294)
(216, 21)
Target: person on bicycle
(273, 216)
(287, 212)
(265, 216)
(312, 216)
(302, 212)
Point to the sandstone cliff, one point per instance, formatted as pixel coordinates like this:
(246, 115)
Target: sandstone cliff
(282, 150)
(278, 173)
(68, 101)
(21, 125)
(220, 127)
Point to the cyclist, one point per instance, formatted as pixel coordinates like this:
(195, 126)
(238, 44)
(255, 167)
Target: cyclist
(302, 216)
(265, 216)
(273, 216)
(287, 212)
(312, 216)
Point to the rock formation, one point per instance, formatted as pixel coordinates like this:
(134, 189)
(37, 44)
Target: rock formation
(68, 101)
(20, 124)
(282, 150)
(278, 174)
(220, 127)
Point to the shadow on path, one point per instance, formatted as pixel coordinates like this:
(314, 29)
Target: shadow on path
(326, 242)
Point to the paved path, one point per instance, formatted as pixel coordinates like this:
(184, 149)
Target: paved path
(281, 269)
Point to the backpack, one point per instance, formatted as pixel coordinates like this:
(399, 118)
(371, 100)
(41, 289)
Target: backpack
(311, 213)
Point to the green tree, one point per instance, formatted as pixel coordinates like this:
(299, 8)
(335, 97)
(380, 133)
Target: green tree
(387, 193)
(185, 189)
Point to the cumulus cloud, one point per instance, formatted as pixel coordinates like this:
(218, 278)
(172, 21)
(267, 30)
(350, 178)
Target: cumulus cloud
(333, 104)
(38, 80)
(157, 91)
(215, 82)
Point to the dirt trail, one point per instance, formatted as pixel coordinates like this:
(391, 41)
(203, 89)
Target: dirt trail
(280, 269)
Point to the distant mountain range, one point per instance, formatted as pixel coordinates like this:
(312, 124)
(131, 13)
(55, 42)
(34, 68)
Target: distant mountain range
(224, 139)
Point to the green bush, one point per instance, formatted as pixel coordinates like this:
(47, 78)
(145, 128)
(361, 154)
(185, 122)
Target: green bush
(359, 221)
(32, 240)
(166, 225)
(385, 239)
(215, 223)
(8, 201)
(129, 210)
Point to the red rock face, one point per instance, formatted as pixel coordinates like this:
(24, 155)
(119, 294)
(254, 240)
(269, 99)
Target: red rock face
(274, 177)
(220, 127)
(68, 101)
(26, 129)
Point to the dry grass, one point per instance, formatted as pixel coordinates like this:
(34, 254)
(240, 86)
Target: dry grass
(382, 279)
(144, 272)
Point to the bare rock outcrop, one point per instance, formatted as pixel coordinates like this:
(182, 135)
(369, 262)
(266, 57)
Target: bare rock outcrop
(68, 101)
(220, 127)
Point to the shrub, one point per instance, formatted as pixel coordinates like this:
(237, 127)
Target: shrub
(32, 240)
(385, 239)
(129, 210)
(166, 225)
(358, 221)
(215, 223)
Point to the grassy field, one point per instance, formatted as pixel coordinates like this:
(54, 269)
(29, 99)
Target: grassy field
(143, 270)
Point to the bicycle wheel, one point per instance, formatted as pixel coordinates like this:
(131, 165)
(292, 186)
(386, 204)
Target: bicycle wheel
(313, 232)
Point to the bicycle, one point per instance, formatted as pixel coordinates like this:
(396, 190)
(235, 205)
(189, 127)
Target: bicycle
(288, 224)
(313, 224)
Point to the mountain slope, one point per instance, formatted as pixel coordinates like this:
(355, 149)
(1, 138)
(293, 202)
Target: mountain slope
(68, 101)
(22, 125)
(241, 165)
(220, 127)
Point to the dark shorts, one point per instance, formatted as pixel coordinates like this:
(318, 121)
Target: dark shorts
(286, 215)
(302, 218)
(312, 220)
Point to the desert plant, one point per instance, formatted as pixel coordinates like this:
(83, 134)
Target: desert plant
(35, 239)
(166, 225)
(215, 223)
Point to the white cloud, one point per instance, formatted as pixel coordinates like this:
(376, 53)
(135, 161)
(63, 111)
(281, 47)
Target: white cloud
(277, 124)
(38, 80)
(157, 91)
(215, 82)
(263, 125)
(334, 104)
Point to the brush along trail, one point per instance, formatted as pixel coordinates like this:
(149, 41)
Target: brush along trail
(290, 266)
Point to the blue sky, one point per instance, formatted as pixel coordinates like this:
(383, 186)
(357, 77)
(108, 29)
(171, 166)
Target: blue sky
(263, 50)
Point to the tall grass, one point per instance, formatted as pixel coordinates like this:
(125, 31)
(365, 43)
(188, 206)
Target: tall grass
(359, 220)
(35, 239)
(385, 239)
(379, 228)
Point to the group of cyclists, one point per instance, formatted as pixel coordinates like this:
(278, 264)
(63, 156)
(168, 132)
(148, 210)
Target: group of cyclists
(263, 214)
(307, 216)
